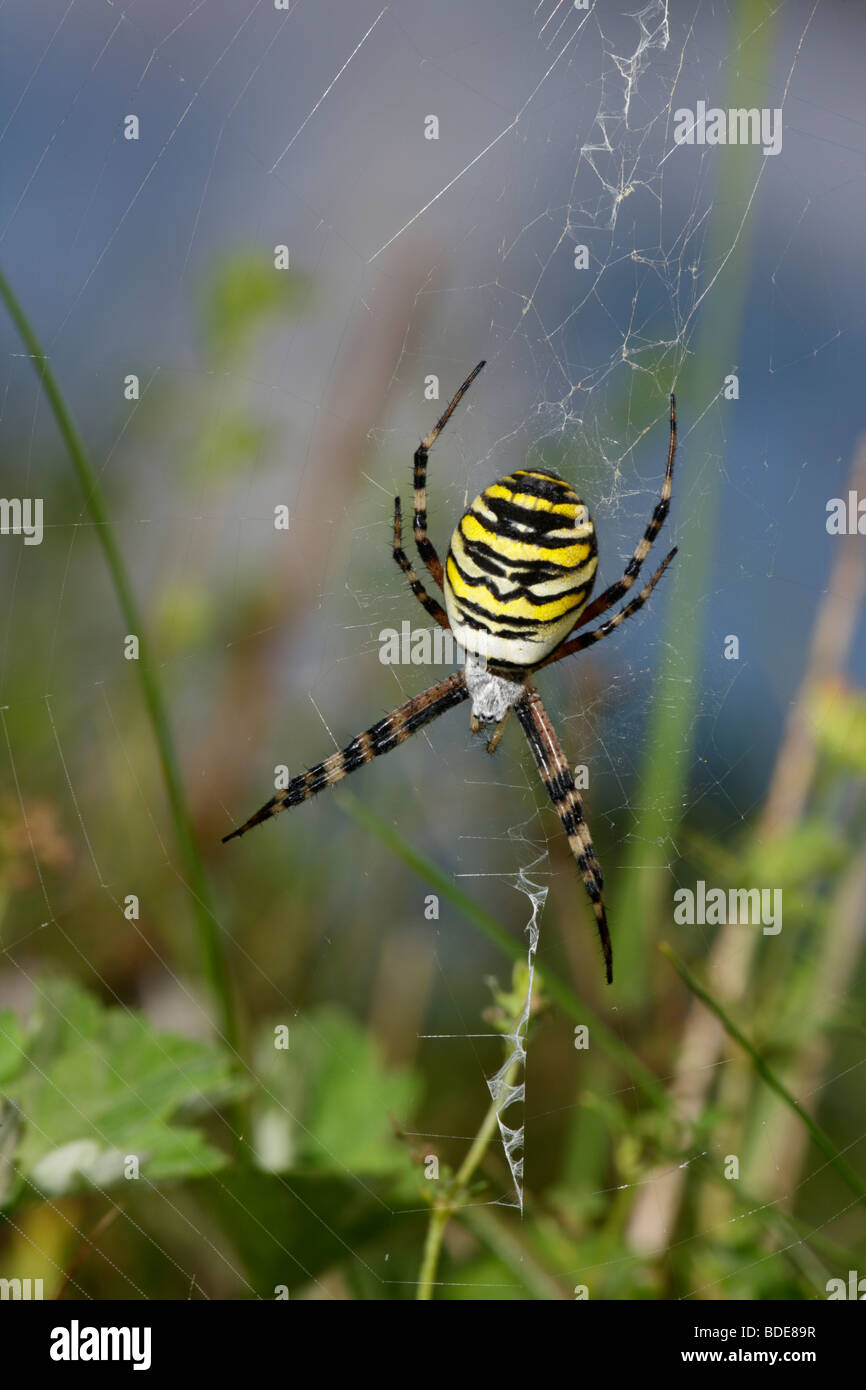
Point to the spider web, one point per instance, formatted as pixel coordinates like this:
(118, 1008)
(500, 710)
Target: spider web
(305, 126)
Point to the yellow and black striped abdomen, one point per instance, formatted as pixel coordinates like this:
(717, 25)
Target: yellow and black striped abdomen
(520, 568)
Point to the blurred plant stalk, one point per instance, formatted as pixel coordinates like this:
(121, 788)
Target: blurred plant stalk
(729, 967)
(664, 775)
(209, 930)
(768, 1075)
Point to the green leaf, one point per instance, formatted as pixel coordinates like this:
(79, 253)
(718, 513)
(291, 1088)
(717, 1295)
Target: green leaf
(97, 1084)
(328, 1100)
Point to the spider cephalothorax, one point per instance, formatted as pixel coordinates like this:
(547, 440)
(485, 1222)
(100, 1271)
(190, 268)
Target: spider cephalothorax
(516, 582)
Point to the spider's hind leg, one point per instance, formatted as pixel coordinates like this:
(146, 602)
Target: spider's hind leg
(559, 785)
(380, 738)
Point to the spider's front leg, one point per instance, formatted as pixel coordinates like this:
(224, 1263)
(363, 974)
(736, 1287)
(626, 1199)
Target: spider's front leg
(559, 784)
(616, 591)
(380, 738)
(426, 600)
(426, 548)
(597, 634)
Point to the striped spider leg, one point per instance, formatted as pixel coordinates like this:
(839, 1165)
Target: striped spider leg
(421, 709)
(516, 583)
(559, 785)
(556, 773)
(588, 639)
(616, 591)
(380, 738)
(540, 734)
(426, 549)
(426, 600)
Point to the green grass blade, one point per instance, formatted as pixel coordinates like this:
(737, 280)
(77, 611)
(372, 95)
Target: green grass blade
(819, 1136)
(208, 929)
(667, 760)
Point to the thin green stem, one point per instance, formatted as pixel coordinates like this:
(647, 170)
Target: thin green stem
(439, 1218)
(448, 1205)
(208, 929)
(819, 1136)
(482, 1139)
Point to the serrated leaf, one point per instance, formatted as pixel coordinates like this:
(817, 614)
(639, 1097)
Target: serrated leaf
(329, 1099)
(97, 1085)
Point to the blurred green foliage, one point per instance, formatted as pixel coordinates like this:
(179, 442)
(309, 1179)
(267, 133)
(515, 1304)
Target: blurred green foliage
(328, 1103)
(305, 1167)
(839, 724)
(94, 1085)
(240, 298)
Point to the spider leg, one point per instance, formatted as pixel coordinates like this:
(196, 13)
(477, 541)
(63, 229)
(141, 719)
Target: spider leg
(632, 569)
(426, 549)
(577, 644)
(386, 734)
(426, 600)
(559, 783)
(498, 731)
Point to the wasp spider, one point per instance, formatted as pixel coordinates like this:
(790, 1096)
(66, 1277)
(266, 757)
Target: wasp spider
(516, 581)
